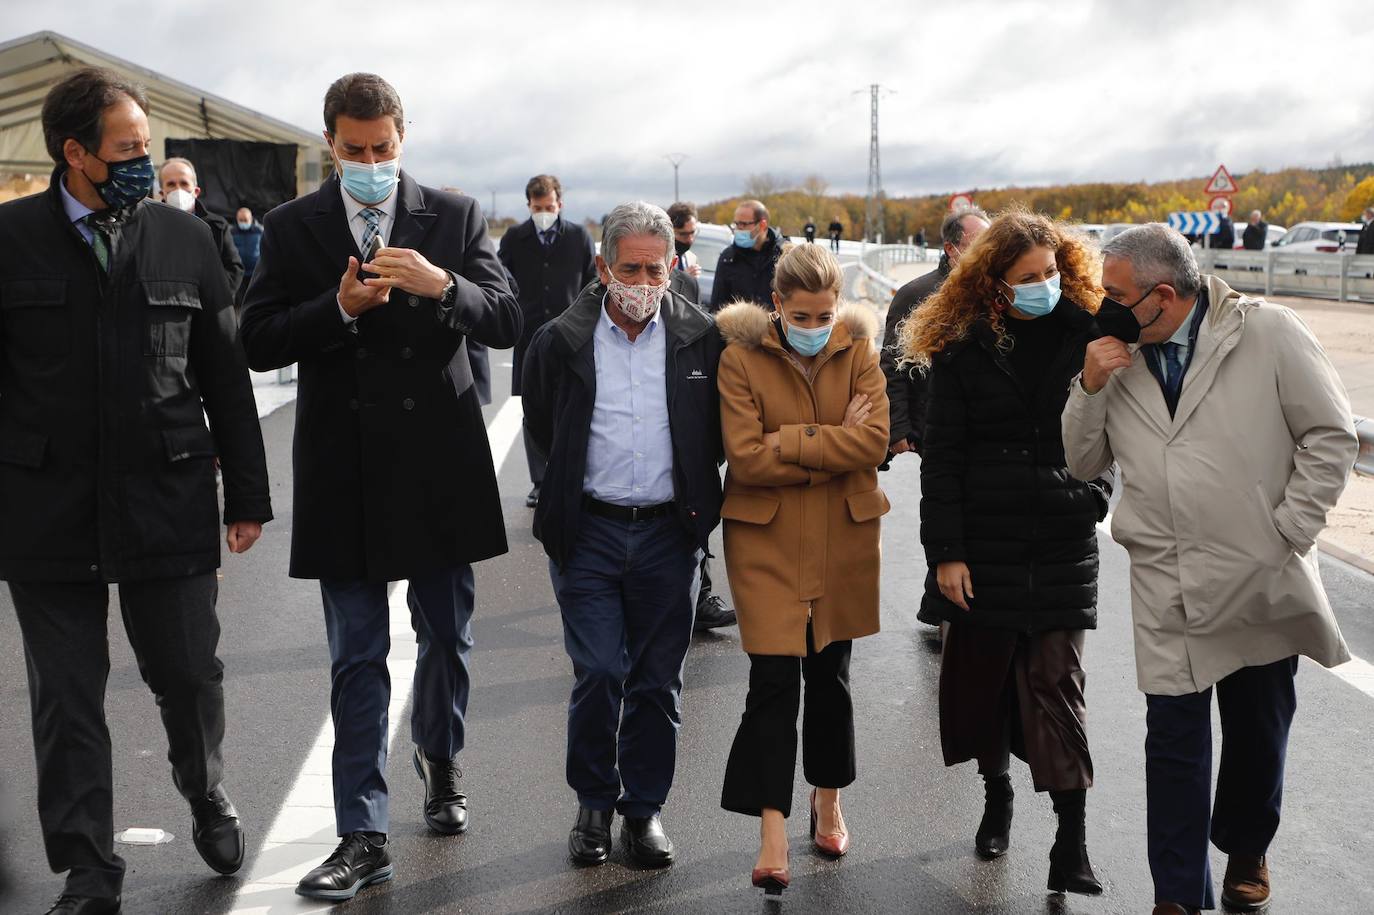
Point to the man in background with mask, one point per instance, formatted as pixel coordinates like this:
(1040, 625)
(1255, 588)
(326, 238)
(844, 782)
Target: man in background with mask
(177, 179)
(620, 392)
(744, 271)
(906, 390)
(393, 476)
(552, 260)
(1234, 438)
(247, 235)
(118, 342)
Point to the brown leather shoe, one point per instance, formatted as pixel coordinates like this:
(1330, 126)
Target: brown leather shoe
(1172, 908)
(1246, 886)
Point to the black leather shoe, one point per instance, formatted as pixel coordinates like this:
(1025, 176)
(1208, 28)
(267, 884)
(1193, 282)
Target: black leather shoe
(216, 832)
(356, 863)
(84, 905)
(446, 808)
(713, 613)
(590, 839)
(533, 498)
(646, 841)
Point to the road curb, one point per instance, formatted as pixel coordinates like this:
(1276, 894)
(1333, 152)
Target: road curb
(1359, 562)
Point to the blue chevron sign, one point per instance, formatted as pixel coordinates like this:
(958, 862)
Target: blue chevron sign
(1204, 223)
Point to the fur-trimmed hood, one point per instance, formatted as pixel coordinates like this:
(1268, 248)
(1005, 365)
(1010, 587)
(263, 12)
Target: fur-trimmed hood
(748, 325)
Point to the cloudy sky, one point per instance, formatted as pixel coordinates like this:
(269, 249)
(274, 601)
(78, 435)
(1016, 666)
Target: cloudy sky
(983, 93)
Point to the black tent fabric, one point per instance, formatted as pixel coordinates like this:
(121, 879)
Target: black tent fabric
(239, 173)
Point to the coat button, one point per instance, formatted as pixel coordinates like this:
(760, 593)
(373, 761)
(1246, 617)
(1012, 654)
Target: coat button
(95, 568)
(362, 352)
(413, 301)
(408, 404)
(407, 352)
(353, 404)
(810, 430)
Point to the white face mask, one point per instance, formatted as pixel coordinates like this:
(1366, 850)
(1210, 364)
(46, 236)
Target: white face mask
(637, 302)
(182, 200)
(544, 221)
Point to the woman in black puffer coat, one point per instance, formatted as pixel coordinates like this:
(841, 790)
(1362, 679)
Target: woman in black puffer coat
(1010, 537)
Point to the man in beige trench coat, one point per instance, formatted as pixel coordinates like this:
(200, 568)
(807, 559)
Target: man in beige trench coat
(1234, 438)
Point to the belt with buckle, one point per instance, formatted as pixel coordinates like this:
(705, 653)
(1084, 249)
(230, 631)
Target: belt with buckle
(627, 512)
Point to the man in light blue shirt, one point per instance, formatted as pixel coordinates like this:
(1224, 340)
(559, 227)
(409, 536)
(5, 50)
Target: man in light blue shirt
(620, 393)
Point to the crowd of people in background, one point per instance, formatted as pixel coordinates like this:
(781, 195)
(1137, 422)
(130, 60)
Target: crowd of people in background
(1025, 369)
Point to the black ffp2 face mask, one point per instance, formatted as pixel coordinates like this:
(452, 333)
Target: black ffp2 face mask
(1115, 319)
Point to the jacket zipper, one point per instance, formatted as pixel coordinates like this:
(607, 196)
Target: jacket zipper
(1000, 361)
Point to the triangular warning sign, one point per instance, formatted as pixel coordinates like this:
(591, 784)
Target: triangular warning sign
(1222, 182)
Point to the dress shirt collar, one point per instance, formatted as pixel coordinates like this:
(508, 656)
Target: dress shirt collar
(75, 209)
(1181, 336)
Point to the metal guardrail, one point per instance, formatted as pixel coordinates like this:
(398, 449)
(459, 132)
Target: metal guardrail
(1364, 462)
(876, 260)
(1340, 276)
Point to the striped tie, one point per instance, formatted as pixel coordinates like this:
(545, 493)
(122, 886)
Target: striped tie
(373, 217)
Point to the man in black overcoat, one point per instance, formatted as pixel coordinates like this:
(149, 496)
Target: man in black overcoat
(116, 345)
(552, 260)
(393, 472)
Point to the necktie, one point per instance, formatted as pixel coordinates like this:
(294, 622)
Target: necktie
(373, 217)
(100, 240)
(546, 237)
(1173, 370)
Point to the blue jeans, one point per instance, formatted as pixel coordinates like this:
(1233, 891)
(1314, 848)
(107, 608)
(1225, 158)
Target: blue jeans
(628, 596)
(1257, 706)
(359, 628)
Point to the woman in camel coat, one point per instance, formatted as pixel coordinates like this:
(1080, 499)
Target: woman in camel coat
(804, 421)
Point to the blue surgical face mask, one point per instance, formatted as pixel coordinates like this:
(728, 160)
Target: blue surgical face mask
(807, 341)
(1035, 300)
(370, 184)
(127, 183)
(744, 238)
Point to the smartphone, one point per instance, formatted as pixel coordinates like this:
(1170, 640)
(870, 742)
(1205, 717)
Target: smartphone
(373, 250)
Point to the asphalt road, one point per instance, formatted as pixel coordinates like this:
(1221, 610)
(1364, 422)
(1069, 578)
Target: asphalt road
(912, 819)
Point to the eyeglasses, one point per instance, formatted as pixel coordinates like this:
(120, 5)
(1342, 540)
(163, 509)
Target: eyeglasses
(743, 225)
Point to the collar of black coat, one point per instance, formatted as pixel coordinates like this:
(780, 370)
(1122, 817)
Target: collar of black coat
(574, 328)
(1074, 318)
(749, 326)
(115, 217)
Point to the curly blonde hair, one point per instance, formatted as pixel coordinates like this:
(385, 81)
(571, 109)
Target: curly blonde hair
(971, 292)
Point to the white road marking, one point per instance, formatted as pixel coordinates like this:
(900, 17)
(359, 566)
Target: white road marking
(1358, 672)
(303, 833)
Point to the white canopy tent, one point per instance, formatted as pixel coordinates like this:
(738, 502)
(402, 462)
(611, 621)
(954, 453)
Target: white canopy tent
(31, 65)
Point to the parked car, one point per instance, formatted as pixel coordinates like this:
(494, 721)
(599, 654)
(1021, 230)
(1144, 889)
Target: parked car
(711, 240)
(1326, 237)
(1271, 237)
(1113, 230)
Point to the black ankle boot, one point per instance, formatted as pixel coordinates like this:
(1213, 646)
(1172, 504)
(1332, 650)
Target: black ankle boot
(994, 832)
(1070, 870)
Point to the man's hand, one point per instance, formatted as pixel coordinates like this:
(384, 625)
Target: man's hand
(773, 440)
(901, 447)
(1105, 355)
(407, 269)
(354, 297)
(242, 535)
(955, 582)
(694, 270)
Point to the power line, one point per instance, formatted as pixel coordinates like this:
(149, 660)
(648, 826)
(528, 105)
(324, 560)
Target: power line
(676, 159)
(873, 201)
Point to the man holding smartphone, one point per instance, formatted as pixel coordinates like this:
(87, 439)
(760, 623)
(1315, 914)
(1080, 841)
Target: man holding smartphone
(393, 472)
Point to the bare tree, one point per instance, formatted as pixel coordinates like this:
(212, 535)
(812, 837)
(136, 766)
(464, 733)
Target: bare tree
(814, 186)
(763, 185)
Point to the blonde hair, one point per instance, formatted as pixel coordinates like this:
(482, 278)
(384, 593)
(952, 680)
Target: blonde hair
(807, 268)
(970, 295)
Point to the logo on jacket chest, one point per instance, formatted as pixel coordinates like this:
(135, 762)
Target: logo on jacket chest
(697, 375)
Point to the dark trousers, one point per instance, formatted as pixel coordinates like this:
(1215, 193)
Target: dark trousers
(1257, 705)
(534, 458)
(174, 632)
(358, 624)
(628, 598)
(763, 759)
